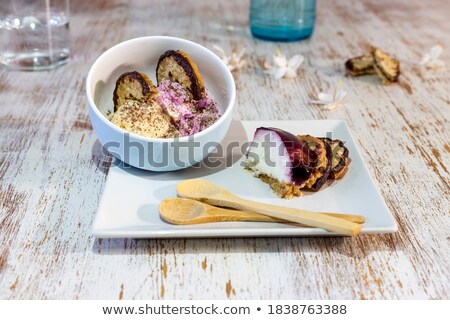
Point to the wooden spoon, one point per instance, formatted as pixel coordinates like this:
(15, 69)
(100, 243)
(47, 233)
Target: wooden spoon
(188, 211)
(206, 191)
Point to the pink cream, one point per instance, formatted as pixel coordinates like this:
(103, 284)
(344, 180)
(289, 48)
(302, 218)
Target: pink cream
(190, 116)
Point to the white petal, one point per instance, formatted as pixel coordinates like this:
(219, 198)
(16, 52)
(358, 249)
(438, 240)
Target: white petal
(436, 64)
(280, 60)
(279, 73)
(325, 97)
(295, 61)
(341, 94)
(329, 106)
(241, 53)
(226, 60)
(435, 52)
(425, 59)
(219, 49)
(240, 64)
(291, 73)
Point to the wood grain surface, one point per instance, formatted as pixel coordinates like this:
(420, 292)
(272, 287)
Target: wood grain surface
(52, 168)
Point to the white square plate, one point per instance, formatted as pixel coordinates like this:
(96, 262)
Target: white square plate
(130, 202)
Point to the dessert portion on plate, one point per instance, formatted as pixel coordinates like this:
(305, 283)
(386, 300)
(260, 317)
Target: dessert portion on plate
(290, 163)
(179, 106)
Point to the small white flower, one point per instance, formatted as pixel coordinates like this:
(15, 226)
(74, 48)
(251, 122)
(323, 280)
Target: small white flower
(235, 60)
(330, 102)
(431, 59)
(284, 67)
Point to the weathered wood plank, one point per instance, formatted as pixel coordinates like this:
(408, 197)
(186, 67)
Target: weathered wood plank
(52, 169)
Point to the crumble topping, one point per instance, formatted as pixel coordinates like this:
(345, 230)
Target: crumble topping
(145, 118)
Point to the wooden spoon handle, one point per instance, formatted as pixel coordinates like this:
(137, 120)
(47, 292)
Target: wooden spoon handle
(309, 218)
(232, 215)
(349, 217)
(238, 215)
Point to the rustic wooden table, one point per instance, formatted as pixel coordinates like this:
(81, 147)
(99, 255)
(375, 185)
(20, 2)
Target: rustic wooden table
(50, 181)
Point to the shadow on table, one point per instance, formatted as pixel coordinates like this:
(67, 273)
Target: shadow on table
(230, 151)
(356, 247)
(101, 158)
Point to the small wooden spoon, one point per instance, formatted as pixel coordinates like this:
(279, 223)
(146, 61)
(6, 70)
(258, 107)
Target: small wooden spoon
(188, 211)
(206, 191)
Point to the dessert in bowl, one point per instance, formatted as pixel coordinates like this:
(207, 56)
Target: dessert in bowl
(166, 127)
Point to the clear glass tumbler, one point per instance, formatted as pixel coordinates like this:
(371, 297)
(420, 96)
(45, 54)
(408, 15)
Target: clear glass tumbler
(34, 34)
(282, 20)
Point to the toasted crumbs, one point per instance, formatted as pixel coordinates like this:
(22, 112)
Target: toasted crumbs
(282, 189)
(145, 118)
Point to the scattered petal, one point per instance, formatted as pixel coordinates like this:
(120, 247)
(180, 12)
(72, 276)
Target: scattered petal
(340, 95)
(331, 101)
(290, 73)
(295, 61)
(279, 73)
(241, 53)
(280, 60)
(436, 51)
(431, 59)
(325, 97)
(235, 60)
(217, 48)
(282, 66)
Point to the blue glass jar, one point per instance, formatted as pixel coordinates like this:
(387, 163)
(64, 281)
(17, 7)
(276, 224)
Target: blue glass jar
(282, 20)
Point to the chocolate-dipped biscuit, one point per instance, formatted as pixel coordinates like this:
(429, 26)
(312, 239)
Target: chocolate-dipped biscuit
(327, 171)
(340, 160)
(133, 85)
(386, 67)
(177, 66)
(316, 147)
(359, 66)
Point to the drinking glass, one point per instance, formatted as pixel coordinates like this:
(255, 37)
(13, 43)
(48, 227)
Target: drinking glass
(34, 34)
(282, 20)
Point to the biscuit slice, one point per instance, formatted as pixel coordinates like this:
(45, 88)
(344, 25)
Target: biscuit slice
(386, 67)
(359, 66)
(133, 85)
(177, 66)
(326, 171)
(340, 159)
(317, 147)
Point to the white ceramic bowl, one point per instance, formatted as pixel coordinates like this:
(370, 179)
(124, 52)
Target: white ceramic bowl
(142, 54)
